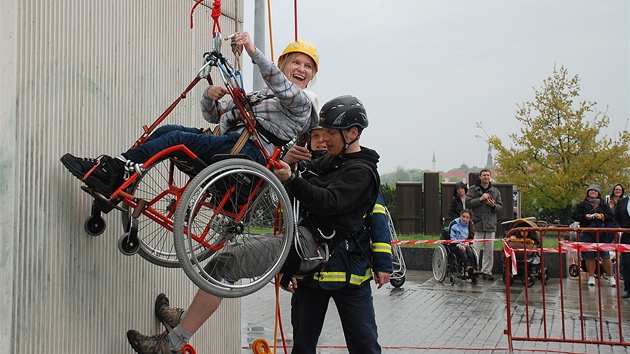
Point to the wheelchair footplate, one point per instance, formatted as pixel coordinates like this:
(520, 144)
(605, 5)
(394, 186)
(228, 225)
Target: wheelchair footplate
(103, 203)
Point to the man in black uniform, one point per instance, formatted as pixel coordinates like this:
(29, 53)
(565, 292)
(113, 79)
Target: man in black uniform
(335, 194)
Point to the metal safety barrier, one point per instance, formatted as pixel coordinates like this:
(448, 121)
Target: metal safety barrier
(563, 308)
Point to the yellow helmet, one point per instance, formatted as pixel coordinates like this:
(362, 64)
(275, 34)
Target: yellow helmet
(302, 47)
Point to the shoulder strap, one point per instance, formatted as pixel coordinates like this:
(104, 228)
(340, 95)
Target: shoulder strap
(368, 213)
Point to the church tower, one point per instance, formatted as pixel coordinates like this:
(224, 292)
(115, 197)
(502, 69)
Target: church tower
(489, 162)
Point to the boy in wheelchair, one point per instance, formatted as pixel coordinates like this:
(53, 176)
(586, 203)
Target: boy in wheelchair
(462, 229)
(282, 110)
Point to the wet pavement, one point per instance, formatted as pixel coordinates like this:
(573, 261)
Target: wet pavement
(425, 316)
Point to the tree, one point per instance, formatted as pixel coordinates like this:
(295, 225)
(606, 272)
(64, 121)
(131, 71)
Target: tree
(389, 196)
(559, 151)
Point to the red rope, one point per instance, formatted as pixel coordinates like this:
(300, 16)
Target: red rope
(295, 13)
(192, 11)
(216, 13)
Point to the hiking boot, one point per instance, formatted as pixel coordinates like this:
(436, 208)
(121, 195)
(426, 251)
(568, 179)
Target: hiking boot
(169, 316)
(157, 344)
(103, 175)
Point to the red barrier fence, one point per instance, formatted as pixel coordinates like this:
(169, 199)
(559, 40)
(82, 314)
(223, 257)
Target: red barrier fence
(564, 309)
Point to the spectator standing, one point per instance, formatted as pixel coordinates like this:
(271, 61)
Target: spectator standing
(458, 202)
(485, 202)
(593, 211)
(616, 194)
(622, 217)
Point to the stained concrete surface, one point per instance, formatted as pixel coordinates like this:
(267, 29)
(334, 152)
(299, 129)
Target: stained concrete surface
(425, 316)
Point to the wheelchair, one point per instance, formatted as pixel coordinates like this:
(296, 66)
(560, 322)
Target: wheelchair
(446, 263)
(228, 224)
(397, 278)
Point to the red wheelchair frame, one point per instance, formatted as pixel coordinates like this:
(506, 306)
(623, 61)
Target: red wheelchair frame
(242, 230)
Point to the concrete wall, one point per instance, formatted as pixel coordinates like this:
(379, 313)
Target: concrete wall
(83, 77)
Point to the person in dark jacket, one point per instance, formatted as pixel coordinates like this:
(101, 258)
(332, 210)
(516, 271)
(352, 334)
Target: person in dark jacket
(622, 218)
(334, 196)
(593, 211)
(485, 202)
(458, 202)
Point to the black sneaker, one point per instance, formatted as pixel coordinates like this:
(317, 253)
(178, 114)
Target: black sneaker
(169, 316)
(103, 175)
(157, 344)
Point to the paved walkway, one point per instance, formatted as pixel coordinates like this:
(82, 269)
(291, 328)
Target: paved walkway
(425, 316)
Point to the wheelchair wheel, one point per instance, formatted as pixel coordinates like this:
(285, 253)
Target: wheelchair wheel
(240, 214)
(440, 263)
(507, 277)
(397, 282)
(544, 277)
(574, 271)
(529, 280)
(94, 225)
(160, 186)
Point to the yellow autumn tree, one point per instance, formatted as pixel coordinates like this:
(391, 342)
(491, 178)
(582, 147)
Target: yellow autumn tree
(559, 150)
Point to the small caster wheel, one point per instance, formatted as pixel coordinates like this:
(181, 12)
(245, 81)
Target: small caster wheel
(128, 247)
(545, 276)
(530, 280)
(451, 278)
(94, 225)
(398, 282)
(574, 270)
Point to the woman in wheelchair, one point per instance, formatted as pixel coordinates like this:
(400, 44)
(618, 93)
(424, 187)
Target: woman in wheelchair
(283, 110)
(462, 229)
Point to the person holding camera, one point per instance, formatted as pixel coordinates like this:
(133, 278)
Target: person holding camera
(485, 202)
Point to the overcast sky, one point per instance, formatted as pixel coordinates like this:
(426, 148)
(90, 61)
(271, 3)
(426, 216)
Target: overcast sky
(428, 71)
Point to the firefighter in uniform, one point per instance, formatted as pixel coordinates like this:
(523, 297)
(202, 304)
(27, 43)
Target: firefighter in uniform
(340, 196)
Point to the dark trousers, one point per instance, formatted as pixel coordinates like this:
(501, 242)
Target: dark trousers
(205, 146)
(356, 311)
(625, 270)
(465, 256)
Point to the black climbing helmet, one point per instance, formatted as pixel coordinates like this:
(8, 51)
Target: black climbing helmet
(343, 112)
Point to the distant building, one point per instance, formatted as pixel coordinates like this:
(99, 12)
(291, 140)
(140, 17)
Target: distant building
(460, 174)
(489, 162)
(456, 175)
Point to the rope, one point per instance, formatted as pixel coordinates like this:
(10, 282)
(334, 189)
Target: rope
(216, 14)
(188, 349)
(237, 54)
(260, 346)
(295, 20)
(270, 29)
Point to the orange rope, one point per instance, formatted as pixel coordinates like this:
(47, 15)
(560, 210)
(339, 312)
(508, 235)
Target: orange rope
(270, 29)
